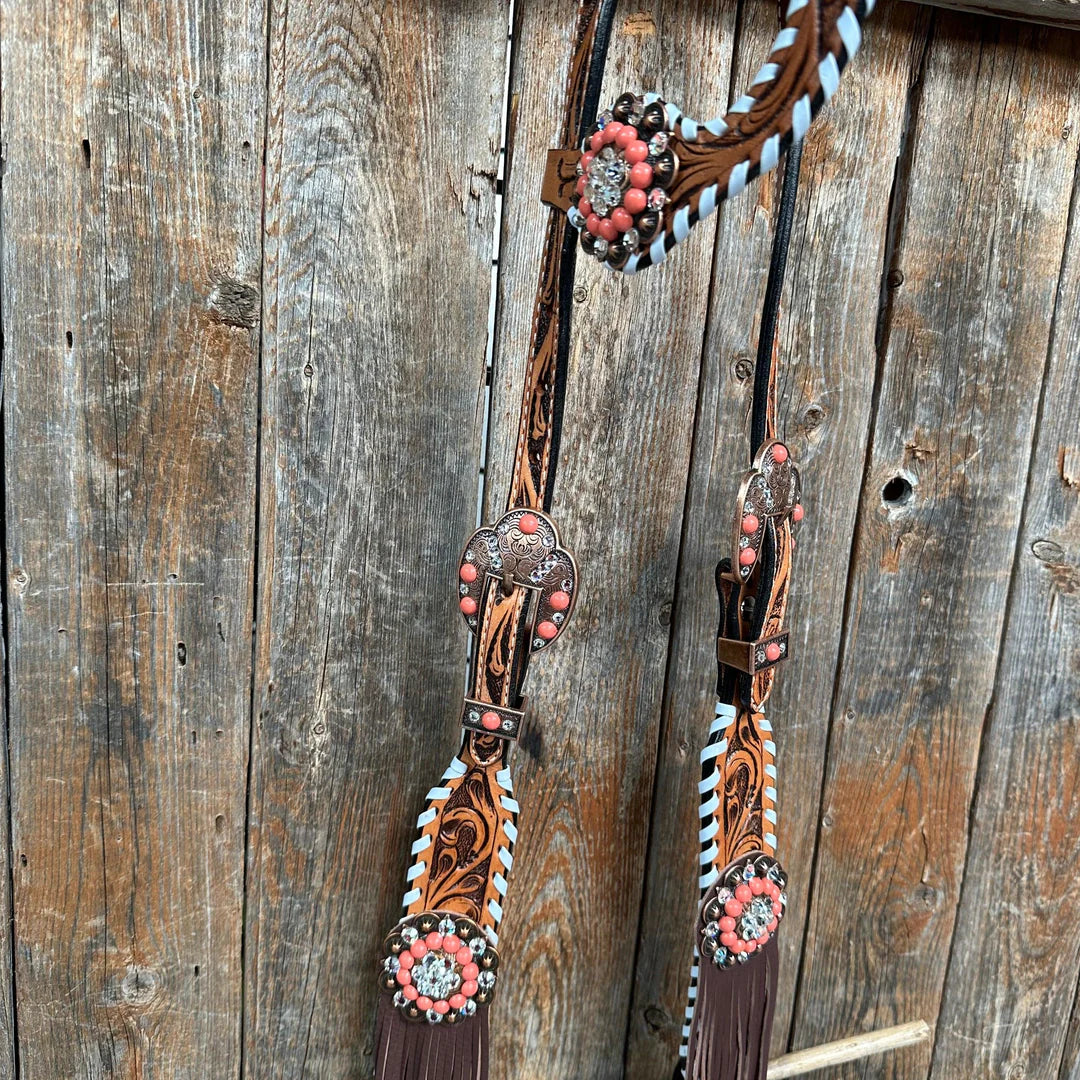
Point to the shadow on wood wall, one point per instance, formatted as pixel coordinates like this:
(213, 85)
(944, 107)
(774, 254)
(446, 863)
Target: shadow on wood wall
(246, 272)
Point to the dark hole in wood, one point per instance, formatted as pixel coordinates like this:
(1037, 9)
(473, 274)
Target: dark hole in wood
(219, 823)
(22, 859)
(194, 738)
(181, 653)
(196, 971)
(70, 339)
(86, 152)
(896, 491)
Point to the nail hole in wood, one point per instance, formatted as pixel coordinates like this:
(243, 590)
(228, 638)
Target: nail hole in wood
(181, 653)
(897, 491)
(219, 823)
(70, 339)
(196, 971)
(86, 153)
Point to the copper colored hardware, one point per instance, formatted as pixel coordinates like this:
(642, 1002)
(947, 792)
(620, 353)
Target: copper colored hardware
(752, 656)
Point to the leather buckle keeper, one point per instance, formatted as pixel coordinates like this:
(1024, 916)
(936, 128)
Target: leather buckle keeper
(751, 657)
(560, 177)
(488, 719)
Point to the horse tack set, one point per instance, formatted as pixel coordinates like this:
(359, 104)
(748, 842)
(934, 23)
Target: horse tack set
(628, 184)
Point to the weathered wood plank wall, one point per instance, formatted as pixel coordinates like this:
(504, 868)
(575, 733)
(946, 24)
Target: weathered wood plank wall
(246, 268)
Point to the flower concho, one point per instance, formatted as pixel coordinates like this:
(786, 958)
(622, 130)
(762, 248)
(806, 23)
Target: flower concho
(742, 911)
(625, 171)
(439, 967)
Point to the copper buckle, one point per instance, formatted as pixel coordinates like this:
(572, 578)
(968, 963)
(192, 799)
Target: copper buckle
(753, 656)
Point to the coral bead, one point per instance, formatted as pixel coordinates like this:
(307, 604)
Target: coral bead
(738, 947)
(743, 893)
(733, 908)
(772, 889)
(609, 135)
(547, 630)
(410, 992)
(612, 132)
(424, 1003)
(622, 218)
(640, 176)
(750, 946)
(728, 938)
(727, 923)
(469, 988)
(797, 513)
(418, 949)
(757, 886)
(560, 601)
(579, 187)
(592, 223)
(433, 940)
(442, 1007)
(457, 1001)
(626, 136)
(403, 977)
(747, 557)
(468, 572)
(750, 524)
(406, 960)
(470, 971)
(779, 453)
(586, 160)
(763, 939)
(636, 151)
(608, 230)
(773, 924)
(777, 908)
(635, 200)
(464, 956)
(451, 943)
(596, 141)
(772, 652)
(468, 605)
(584, 208)
(528, 524)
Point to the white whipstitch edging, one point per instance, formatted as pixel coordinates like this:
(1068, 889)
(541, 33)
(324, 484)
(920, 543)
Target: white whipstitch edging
(829, 70)
(436, 797)
(709, 795)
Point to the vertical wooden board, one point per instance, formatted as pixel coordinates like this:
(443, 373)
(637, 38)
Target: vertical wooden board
(131, 210)
(584, 772)
(979, 251)
(1015, 959)
(826, 363)
(383, 146)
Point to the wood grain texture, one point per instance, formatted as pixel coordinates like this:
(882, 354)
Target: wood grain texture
(979, 247)
(384, 130)
(1061, 13)
(1020, 885)
(131, 209)
(826, 375)
(584, 770)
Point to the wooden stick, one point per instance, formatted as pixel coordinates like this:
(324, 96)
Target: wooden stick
(851, 1049)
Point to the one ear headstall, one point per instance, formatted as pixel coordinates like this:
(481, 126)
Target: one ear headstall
(646, 174)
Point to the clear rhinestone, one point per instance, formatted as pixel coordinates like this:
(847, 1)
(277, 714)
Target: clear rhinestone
(469, 556)
(447, 925)
(657, 199)
(469, 1008)
(658, 143)
(391, 964)
(433, 1017)
(400, 1000)
(783, 647)
(557, 618)
(539, 643)
(720, 959)
(567, 585)
(632, 238)
(600, 249)
(742, 957)
(712, 930)
(472, 621)
(604, 119)
(761, 656)
(474, 716)
(463, 589)
(486, 980)
(744, 541)
(508, 725)
(748, 872)
(409, 934)
(478, 946)
(435, 976)
(577, 219)
(724, 895)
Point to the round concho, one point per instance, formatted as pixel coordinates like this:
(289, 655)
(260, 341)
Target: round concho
(439, 967)
(742, 910)
(625, 170)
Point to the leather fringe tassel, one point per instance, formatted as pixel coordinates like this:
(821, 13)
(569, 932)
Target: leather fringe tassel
(733, 1018)
(407, 1050)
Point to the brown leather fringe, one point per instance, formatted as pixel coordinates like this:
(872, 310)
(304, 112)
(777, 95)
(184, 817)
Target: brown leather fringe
(733, 1018)
(412, 1050)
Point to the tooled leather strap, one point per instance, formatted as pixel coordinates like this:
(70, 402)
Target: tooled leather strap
(518, 584)
(636, 196)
